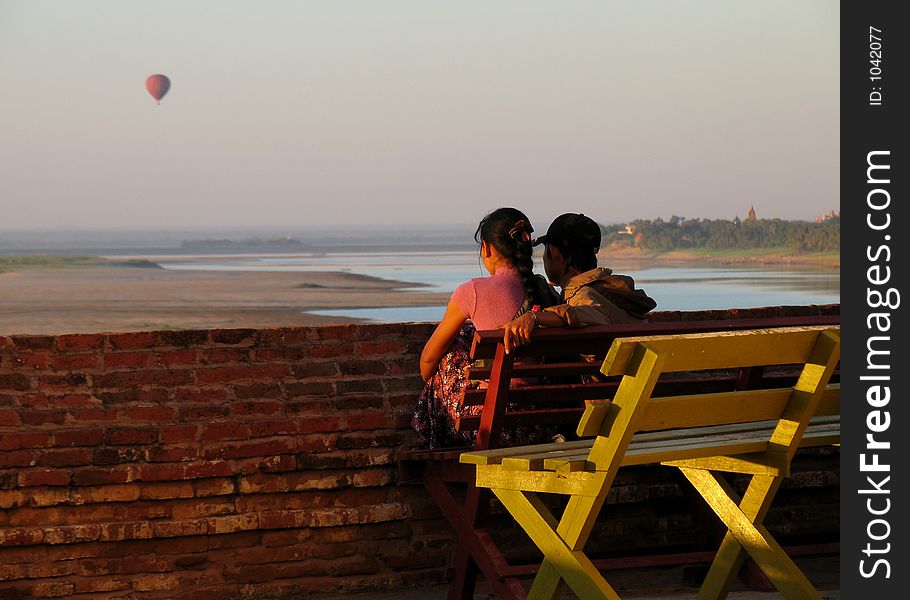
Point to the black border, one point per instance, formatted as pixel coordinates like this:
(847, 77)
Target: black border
(866, 128)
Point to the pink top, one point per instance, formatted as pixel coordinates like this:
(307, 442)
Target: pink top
(491, 301)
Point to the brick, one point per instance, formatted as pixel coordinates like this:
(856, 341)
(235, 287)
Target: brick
(21, 458)
(106, 493)
(286, 336)
(339, 332)
(163, 472)
(16, 382)
(9, 418)
(116, 455)
(75, 362)
(67, 382)
(232, 523)
(42, 417)
(202, 413)
(175, 434)
(282, 538)
(287, 354)
(316, 369)
(230, 430)
(258, 390)
(167, 529)
(33, 400)
(363, 386)
(43, 477)
(182, 357)
(158, 582)
(278, 464)
(73, 400)
(171, 454)
(346, 404)
(331, 350)
(30, 439)
(256, 408)
(20, 536)
(118, 397)
(368, 421)
(103, 476)
(202, 507)
(154, 395)
(274, 427)
(33, 342)
(316, 443)
(321, 388)
(79, 437)
(166, 491)
(72, 535)
(88, 415)
(126, 360)
(106, 584)
(113, 532)
(131, 435)
(184, 338)
(241, 372)
(203, 488)
(65, 457)
(412, 384)
(151, 413)
(127, 379)
(133, 341)
(320, 424)
(209, 469)
(357, 367)
(26, 361)
(80, 342)
(250, 449)
(52, 589)
(378, 348)
(234, 337)
(217, 356)
(191, 395)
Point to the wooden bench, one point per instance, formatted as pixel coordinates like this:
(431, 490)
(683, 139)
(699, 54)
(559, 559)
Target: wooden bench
(752, 432)
(546, 360)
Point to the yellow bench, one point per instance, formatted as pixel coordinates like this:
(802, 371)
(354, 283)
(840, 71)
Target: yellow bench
(754, 432)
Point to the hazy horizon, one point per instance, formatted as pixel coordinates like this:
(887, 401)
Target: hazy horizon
(295, 115)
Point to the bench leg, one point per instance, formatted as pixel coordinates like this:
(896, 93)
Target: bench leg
(475, 549)
(564, 557)
(747, 534)
(466, 570)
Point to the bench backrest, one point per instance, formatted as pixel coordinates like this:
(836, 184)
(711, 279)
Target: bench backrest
(561, 379)
(640, 362)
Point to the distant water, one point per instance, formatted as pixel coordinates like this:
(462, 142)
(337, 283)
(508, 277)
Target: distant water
(690, 287)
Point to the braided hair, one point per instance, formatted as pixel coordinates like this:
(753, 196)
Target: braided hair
(509, 231)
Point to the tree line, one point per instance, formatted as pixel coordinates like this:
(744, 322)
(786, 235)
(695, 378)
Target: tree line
(719, 234)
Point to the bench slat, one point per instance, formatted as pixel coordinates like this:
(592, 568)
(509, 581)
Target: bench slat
(593, 339)
(651, 448)
(720, 350)
(697, 410)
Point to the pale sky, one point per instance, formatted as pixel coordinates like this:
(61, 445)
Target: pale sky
(303, 113)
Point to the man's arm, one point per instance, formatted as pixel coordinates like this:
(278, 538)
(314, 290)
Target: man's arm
(518, 330)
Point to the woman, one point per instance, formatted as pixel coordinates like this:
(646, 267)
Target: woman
(482, 303)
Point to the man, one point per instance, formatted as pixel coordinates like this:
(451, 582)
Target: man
(591, 295)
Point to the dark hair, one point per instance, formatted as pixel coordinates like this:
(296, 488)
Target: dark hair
(509, 231)
(581, 260)
(578, 238)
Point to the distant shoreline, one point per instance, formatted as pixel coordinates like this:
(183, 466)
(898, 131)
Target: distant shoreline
(780, 257)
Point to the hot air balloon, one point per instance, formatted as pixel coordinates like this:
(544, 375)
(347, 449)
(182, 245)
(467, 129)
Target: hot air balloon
(158, 85)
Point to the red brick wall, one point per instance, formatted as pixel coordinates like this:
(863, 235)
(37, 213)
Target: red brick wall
(223, 463)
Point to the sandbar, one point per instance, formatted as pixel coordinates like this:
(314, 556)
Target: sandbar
(94, 299)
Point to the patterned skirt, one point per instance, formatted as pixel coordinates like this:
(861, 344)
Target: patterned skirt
(440, 403)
